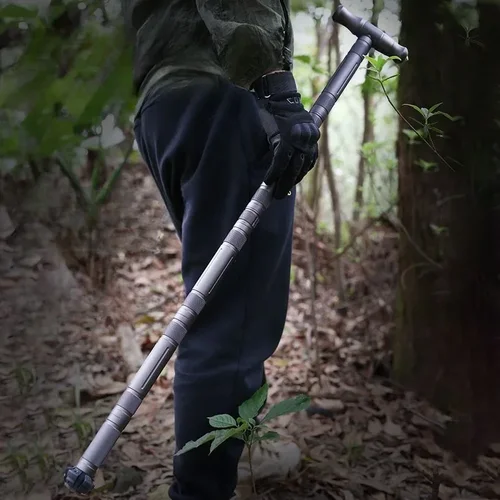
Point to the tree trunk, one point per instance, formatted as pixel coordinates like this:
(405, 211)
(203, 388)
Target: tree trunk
(368, 129)
(332, 184)
(447, 344)
(313, 193)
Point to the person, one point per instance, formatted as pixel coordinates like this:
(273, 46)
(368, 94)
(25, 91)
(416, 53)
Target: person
(208, 75)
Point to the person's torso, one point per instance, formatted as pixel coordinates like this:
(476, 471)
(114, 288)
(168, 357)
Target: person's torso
(235, 39)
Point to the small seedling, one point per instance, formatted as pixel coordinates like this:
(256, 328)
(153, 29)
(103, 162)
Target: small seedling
(44, 460)
(245, 427)
(19, 462)
(83, 430)
(25, 377)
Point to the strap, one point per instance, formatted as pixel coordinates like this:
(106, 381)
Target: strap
(274, 83)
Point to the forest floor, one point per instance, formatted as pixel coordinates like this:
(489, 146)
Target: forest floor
(69, 344)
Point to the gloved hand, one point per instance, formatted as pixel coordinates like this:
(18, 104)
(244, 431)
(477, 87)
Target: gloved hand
(297, 151)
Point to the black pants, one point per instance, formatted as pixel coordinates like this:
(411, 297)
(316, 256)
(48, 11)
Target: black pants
(208, 153)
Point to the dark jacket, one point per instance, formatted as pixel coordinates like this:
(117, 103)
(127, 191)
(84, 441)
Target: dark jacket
(239, 39)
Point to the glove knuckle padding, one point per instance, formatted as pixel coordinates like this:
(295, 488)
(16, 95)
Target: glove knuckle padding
(296, 133)
(297, 150)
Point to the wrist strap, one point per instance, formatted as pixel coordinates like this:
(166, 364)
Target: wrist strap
(274, 83)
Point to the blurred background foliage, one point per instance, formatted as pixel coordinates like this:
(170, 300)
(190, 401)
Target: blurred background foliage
(66, 101)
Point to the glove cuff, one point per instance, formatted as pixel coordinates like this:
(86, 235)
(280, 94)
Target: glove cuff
(274, 83)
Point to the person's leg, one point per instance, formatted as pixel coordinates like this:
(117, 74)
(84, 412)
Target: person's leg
(209, 154)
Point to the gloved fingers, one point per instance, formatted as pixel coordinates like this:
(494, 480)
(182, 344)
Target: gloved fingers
(279, 164)
(304, 136)
(309, 164)
(289, 177)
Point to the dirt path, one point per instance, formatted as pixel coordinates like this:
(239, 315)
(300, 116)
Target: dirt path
(62, 367)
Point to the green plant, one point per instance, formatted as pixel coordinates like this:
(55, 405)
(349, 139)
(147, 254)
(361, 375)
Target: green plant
(25, 377)
(92, 198)
(425, 127)
(19, 462)
(66, 98)
(246, 427)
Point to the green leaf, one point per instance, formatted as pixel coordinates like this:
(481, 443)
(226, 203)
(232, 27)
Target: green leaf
(222, 421)
(425, 113)
(426, 165)
(436, 106)
(250, 408)
(387, 78)
(416, 108)
(105, 191)
(378, 63)
(191, 445)
(223, 436)
(438, 230)
(268, 436)
(449, 117)
(116, 86)
(292, 405)
(411, 134)
(17, 12)
(304, 59)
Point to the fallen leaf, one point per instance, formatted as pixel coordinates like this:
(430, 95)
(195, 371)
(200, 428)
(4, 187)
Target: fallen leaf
(130, 348)
(348, 495)
(99, 481)
(142, 281)
(376, 485)
(30, 261)
(128, 477)
(6, 225)
(146, 319)
(319, 430)
(161, 493)
(393, 429)
(331, 404)
(38, 495)
(374, 427)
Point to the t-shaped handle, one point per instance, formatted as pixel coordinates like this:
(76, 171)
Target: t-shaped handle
(381, 41)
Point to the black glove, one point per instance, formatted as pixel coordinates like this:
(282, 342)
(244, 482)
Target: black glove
(297, 150)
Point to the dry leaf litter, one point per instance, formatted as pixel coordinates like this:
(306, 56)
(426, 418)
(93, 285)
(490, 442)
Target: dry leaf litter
(68, 349)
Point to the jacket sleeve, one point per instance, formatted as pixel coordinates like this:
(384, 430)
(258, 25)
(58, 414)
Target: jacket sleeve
(249, 37)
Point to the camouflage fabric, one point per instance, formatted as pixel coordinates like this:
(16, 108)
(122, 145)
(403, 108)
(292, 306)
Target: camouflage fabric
(241, 40)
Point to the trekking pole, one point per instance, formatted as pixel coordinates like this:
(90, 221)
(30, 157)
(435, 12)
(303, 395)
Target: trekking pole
(80, 478)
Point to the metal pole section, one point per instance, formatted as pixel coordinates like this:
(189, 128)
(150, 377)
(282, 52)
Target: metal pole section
(80, 478)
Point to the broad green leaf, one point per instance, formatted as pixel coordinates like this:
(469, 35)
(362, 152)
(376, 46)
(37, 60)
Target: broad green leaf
(191, 445)
(250, 408)
(292, 405)
(222, 421)
(223, 436)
